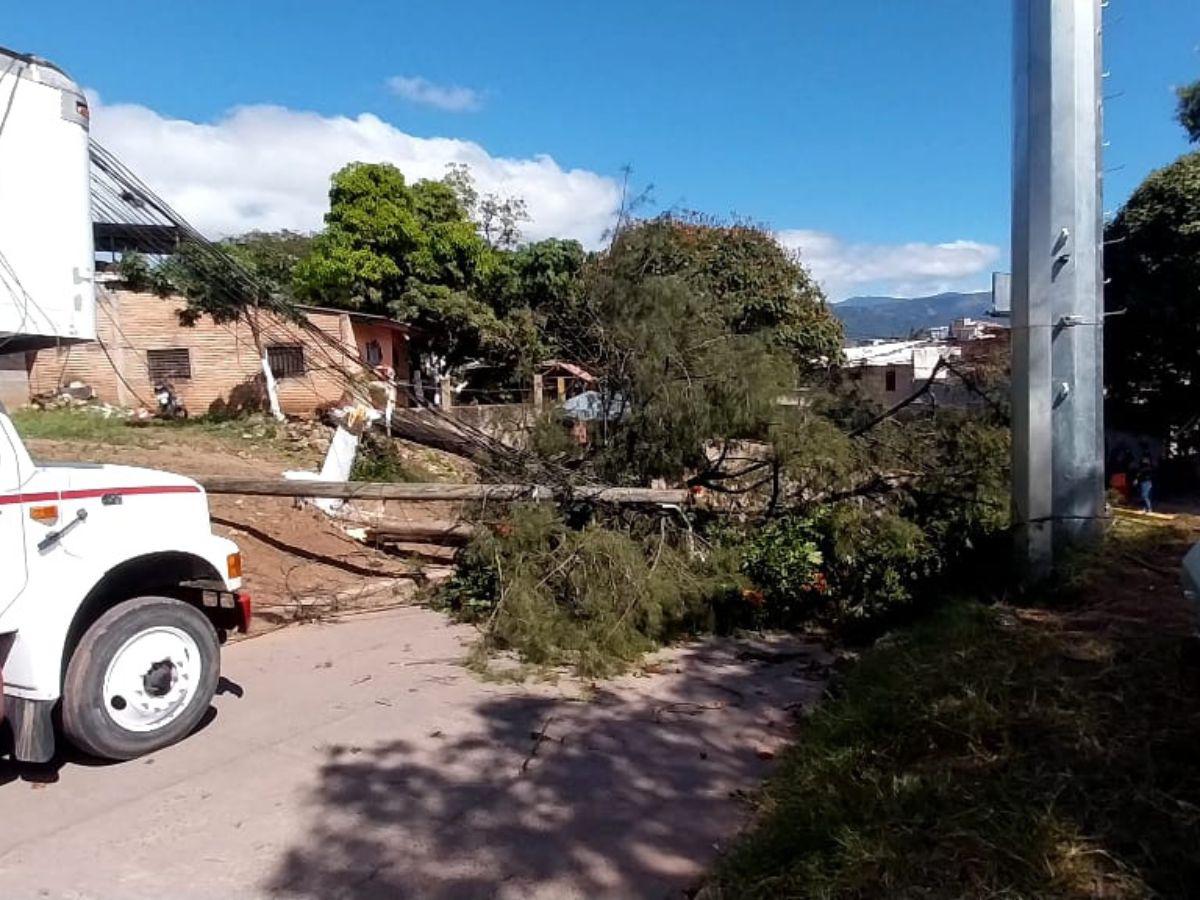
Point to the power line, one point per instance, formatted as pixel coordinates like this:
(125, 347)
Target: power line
(119, 194)
(119, 374)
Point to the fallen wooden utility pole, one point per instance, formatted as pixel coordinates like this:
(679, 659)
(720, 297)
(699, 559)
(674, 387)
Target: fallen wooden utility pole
(371, 490)
(418, 533)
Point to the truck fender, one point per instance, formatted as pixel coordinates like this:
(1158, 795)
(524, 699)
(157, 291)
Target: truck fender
(39, 655)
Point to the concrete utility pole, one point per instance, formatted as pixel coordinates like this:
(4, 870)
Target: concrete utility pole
(1058, 281)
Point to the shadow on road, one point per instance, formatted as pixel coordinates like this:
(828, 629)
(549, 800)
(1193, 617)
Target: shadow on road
(67, 755)
(628, 793)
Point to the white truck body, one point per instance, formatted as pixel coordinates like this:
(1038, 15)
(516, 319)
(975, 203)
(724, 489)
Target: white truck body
(131, 514)
(114, 592)
(46, 250)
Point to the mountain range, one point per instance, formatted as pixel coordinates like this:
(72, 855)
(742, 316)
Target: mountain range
(899, 317)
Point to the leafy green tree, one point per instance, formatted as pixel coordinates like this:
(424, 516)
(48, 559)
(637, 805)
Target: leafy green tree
(136, 271)
(1152, 350)
(537, 289)
(271, 256)
(545, 276)
(1189, 110)
(757, 286)
(409, 251)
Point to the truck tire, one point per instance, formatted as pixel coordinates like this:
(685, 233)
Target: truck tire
(141, 678)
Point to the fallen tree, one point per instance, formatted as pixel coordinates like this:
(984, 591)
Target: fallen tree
(819, 508)
(369, 490)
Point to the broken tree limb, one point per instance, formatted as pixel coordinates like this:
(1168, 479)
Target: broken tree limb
(370, 490)
(392, 532)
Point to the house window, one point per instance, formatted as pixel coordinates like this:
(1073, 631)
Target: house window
(889, 381)
(373, 353)
(287, 360)
(170, 365)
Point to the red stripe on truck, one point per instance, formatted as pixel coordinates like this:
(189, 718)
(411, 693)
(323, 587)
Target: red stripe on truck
(9, 499)
(89, 493)
(130, 491)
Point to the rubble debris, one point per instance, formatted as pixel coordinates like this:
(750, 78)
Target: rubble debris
(78, 395)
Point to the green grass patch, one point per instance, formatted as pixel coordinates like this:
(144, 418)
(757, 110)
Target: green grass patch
(88, 426)
(380, 459)
(995, 752)
(82, 425)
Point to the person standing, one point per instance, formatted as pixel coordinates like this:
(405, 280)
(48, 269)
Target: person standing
(1145, 484)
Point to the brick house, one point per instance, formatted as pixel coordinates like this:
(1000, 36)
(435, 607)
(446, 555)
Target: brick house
(215, 368)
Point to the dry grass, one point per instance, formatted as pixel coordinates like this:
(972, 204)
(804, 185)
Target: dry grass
(1047, 750)
(88, 426)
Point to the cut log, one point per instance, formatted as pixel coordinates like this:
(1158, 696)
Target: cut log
(393, 532)
(370, 490)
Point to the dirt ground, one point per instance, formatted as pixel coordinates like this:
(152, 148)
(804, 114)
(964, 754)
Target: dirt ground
(1138, 582)
(1130, 591)
(299, 564)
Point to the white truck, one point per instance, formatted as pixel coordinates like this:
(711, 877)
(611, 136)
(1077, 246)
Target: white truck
(114, 593)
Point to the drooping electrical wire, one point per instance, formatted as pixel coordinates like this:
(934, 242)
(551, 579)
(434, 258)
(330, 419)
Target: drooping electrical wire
(121, 198)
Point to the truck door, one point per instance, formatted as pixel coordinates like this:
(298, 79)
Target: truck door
(13, 569)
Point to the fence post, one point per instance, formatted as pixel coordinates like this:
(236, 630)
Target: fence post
(538, 392)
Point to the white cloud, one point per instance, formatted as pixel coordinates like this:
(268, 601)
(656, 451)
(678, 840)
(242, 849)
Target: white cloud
(268, 167)
(448, 97)
(913, 269)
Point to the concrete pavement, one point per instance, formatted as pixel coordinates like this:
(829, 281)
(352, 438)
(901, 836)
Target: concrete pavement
(361, 760)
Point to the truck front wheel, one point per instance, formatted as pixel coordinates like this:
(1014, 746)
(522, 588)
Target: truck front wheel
(141, 678)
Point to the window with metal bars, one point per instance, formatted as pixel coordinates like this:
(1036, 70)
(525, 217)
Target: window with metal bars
(287, 360)
(173, 364)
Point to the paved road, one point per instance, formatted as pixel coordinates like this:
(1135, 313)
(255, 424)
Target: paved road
(360, 760)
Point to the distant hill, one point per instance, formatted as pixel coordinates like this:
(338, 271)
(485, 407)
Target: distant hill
(898, 317)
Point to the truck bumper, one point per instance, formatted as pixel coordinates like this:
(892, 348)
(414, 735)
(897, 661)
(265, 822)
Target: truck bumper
(244, 610)
(228, 610)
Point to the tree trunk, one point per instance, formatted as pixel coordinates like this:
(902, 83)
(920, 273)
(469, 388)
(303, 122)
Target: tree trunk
(425, 492)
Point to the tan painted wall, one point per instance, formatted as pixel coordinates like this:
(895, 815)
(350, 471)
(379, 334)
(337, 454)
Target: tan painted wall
(872, 381)
(225, 369)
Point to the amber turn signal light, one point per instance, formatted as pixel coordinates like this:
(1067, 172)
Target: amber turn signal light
(233, 565)
(47, 515)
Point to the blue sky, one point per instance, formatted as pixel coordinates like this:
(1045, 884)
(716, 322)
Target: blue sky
(873, 135)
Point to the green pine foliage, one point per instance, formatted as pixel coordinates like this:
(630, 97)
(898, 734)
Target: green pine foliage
(593, 598)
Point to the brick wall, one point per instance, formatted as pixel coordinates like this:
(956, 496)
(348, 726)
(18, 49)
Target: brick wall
(225, 370)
